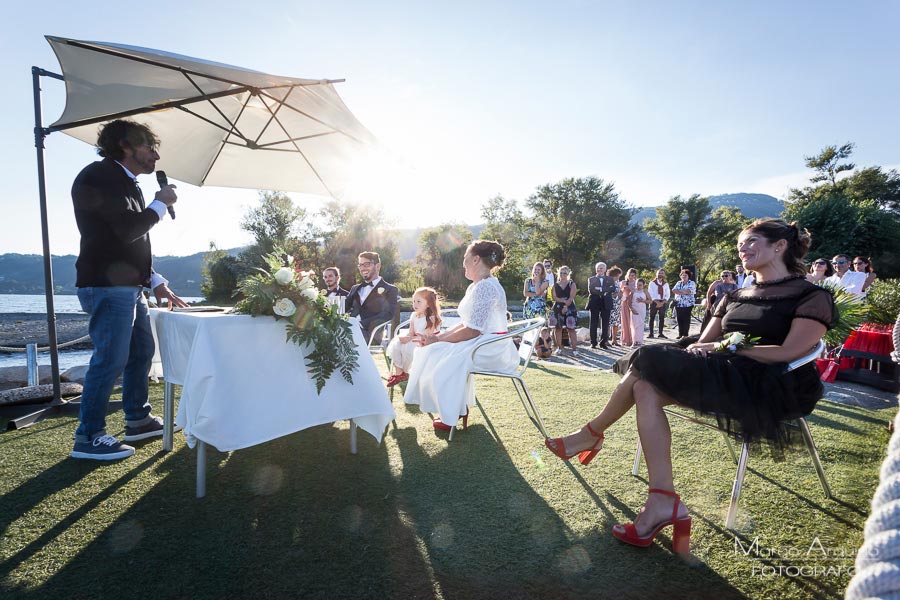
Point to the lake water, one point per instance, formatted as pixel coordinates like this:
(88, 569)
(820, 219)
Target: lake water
(37, 304)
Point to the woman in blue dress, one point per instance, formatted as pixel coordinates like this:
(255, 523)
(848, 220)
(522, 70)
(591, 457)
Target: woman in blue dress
(535, 292)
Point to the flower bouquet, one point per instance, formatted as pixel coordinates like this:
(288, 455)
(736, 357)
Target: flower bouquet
(736, 341)
(286, 292)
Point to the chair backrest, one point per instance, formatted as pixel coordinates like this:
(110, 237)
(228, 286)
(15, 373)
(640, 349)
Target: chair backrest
(530, 330)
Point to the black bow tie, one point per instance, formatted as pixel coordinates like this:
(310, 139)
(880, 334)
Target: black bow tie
(371, 283)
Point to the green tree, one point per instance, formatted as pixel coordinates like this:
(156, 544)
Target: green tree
(441, 251)
(504, 222)
(347, 230)
(220, 275)
(686, 229)
(826, 162)
(273, 225)
(573, 219)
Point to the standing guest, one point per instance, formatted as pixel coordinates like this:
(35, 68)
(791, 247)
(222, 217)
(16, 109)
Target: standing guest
(852, 281)
(749, 280)
(716, 292)
(114, 265)
(332, 278)
(615, 315)
(374, 301)
(659, 297)
(426, 317)
(627, 286)
(535, 292)
(739, 275)
(439, 380)
(602, 289)
(684, 292)
(819, 271)
(747, 389)
(564, 312)
(639, 301)
(862, 264)
(551, 279)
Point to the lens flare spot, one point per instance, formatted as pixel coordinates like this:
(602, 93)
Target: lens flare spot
(575, 560)
(442, 536)
(354, 518)
(267, 480)
(125, 536)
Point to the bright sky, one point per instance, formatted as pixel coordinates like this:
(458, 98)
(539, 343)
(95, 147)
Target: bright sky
(483, 98)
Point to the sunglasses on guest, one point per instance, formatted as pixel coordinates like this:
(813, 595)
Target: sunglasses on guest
(839, 262)
(820, 262)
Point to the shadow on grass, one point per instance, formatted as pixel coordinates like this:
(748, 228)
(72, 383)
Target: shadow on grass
(849, 412)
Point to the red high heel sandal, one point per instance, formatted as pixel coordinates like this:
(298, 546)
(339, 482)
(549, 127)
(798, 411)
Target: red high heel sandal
(441, 426)
(585, 456)
(681, 535)
(395, 379)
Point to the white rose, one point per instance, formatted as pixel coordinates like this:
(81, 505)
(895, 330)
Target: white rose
(284, 276)
(284, 307)
(310, 294)
(380, 290)
(736, 338)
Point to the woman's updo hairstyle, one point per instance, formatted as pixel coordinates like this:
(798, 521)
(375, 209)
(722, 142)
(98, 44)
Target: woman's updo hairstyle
(491, 252)
(798, 241)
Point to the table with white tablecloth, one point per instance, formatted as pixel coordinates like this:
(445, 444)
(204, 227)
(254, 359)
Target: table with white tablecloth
(243, 384)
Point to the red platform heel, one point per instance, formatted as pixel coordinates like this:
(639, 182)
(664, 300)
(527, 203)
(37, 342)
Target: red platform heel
(585, 456)
(681, 535)
(441, 426)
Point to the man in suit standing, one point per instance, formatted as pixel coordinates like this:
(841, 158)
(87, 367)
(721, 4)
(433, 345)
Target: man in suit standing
(374, 301)
(602, 289)
(113, 267)
(332, 277)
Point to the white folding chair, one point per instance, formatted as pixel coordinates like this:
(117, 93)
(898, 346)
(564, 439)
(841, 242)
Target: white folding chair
(528, 329)
(741, 461)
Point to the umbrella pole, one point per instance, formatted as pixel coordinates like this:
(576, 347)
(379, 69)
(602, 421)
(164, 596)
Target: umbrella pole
(55, 406)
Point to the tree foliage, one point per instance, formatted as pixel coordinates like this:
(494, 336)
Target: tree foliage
(505, 222)
(441, 251)
(220, 275)
(349, 229)
(827, 163)
(575, 219)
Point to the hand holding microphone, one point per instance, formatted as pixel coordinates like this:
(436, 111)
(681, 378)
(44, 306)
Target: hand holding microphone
(166, 192)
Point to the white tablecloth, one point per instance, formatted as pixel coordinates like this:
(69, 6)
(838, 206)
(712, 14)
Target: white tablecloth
(242, 384)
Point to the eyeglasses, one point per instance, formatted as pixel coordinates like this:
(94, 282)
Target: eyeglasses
(548, 265)
(150, 147)
(820, 262)
(839, 262)
(725, 275)
(365, 264)
(859, 262)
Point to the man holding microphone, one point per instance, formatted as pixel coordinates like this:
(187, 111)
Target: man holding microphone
(114, 265)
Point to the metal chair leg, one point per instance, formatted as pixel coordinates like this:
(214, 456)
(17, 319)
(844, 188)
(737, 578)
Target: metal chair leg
(738, 483)
(534, 409)
(728, 443)
(814, 454)
(637, 459)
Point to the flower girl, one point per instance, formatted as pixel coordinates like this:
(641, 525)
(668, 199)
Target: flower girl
(426, 318)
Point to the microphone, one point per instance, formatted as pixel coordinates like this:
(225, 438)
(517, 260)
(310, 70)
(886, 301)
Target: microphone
(163, 182)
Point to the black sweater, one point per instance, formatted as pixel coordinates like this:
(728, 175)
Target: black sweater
(114, 226)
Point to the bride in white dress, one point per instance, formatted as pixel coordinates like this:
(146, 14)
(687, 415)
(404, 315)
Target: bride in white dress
(439, 380)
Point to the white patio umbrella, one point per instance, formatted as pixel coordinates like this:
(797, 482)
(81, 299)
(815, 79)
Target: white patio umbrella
(217, 124)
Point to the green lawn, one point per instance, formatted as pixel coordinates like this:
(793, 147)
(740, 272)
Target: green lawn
(490, 515)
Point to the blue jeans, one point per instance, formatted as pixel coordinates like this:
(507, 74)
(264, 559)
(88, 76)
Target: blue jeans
(123, 345)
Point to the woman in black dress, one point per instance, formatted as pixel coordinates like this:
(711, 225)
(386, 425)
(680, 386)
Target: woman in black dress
(748, 391)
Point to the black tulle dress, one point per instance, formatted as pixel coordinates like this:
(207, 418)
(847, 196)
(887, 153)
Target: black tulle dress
(747, 397)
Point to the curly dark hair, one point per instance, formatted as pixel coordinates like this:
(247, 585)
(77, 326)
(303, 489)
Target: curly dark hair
(798, 241)
(123, 132)
(490, 251)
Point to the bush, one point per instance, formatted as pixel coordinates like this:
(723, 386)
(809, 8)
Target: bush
(884, 301)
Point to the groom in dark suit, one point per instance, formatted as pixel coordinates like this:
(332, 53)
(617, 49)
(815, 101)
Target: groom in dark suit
(374, 301)
(602, 290)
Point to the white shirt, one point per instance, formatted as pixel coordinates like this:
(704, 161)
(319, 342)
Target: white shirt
(653, 288)
(852, 281)
(160, 209)
(739, 278)
(365, 290)
(551, 279)
(748, 281)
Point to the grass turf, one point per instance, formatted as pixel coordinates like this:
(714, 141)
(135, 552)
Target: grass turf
(492, 514)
